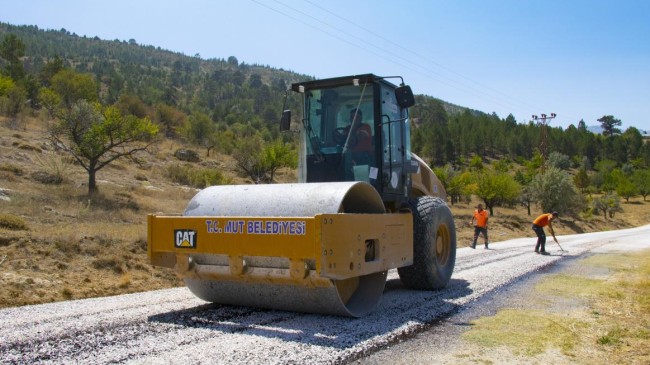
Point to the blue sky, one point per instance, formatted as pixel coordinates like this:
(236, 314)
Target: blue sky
(580, 59)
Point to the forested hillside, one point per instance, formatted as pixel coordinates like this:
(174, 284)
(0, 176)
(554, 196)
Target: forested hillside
(233, 107)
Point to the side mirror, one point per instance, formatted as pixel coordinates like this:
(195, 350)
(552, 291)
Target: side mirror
(404, 96)
(285, 121)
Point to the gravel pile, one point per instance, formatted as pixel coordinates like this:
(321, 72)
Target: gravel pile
(173, 327)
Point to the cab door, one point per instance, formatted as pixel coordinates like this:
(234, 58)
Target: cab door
(394, 148)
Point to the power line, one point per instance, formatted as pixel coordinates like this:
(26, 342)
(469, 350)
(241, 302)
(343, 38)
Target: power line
(543, 121)
(425, 71)
(415, 53)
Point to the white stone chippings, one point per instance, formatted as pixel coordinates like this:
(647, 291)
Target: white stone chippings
(173, 327)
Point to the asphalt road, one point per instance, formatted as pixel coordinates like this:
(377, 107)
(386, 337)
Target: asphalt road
(173, 327)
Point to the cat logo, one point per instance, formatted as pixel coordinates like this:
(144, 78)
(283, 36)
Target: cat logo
(185, 238)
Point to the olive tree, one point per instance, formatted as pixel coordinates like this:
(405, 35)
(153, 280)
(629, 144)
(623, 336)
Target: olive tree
(554, 190)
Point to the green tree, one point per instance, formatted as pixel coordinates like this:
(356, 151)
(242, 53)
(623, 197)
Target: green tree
(16, 99)
(96, 136)
(641, 179)
(50, 69)
(232, 60)
(603, 178)
(476, 163)
(456, 183)
(260, 161)
(170, 119)
(581, 179)
(609, 124)
(12, 49)
(496, 188)
(527, 197)
(50, 100)
(633, 142)
(201, 130)
(131, 104)
(559, 160)
(609, 204)
(582, 126)
(72, 86)
(554, 191)
(6, 83)
(625, 188)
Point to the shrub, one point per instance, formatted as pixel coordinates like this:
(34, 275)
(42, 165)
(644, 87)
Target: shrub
(196, 177)
(13, 222)
(11, 168)
(54, 169)
(108, 263)
(187, 155)
(46, 178)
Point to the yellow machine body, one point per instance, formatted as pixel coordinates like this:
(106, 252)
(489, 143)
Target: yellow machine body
(316, 249)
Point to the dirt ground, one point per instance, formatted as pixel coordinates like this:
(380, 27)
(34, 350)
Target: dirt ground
(73, 247)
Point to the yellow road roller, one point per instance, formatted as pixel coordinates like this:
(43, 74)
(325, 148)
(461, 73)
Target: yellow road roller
(363, 204)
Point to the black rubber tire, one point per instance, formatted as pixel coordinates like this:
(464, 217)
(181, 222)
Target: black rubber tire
(434, 245)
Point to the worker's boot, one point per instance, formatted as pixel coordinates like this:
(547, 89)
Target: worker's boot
(486, 245)
(543, 249)
(473, 244)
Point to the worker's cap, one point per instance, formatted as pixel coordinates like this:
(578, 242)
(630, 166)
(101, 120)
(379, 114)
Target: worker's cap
(555, 214)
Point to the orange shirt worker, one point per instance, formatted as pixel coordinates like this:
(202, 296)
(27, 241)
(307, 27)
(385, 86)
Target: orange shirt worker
(539, 223)
(480, 227)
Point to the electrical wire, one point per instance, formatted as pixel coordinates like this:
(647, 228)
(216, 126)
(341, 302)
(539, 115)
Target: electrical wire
(420, 69)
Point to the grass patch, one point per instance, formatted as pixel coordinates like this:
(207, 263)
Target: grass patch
(571, 286)
(10, 221)
(523, 332)
(16, 170)
(614, 326)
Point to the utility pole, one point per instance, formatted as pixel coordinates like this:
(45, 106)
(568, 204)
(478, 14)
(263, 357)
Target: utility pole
(543, 122)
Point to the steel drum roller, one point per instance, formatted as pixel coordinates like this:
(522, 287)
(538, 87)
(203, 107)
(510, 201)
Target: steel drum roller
(351, 297)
